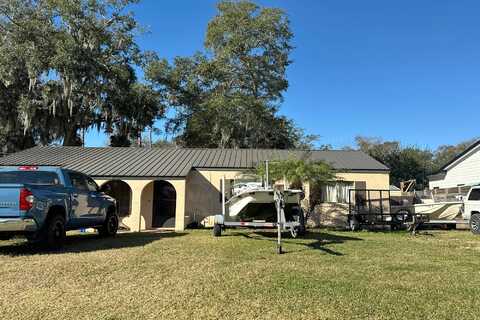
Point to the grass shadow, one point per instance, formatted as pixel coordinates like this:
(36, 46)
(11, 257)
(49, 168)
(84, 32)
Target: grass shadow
(320, 240)
(88, 243)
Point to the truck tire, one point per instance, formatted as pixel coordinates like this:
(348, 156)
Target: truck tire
(217, 230)
(54, 233)
(475, 223)
(110, 226)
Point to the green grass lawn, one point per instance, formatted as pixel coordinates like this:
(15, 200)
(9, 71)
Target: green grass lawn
(329, 275)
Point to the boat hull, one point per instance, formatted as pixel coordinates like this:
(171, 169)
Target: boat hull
(440, 210)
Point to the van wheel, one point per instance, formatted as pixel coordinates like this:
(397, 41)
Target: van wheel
(217, 230)
(54, 234)
(475, 223)
(110, 226)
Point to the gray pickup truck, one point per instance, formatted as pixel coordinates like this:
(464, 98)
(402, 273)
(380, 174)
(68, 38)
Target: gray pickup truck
(42, 203)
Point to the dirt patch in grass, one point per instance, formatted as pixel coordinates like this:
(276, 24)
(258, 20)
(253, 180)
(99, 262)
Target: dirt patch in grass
(327, 275)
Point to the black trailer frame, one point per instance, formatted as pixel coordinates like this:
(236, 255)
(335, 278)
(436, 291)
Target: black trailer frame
(363, 212)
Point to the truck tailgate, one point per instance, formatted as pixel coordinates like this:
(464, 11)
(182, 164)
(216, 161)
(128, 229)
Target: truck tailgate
(9, 200)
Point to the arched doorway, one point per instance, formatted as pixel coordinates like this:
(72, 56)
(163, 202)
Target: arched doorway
(164, 205)
(122, 192)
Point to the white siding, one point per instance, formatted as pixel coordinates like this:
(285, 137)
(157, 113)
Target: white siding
(463, 172)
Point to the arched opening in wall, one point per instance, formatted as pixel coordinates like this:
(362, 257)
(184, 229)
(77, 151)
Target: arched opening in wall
(120, 191)
(164, 205)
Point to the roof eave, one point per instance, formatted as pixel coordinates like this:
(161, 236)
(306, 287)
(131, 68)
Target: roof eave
(460, 156)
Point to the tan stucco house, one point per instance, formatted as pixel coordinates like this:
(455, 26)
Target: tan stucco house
(172, 187)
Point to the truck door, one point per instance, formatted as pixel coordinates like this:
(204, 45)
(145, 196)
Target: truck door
(79, 195)
(95, 201)
(472, 203)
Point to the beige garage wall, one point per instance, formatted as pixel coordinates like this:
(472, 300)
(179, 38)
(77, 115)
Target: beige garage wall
(199, 196)
(203, 196)
(142, 203)
(373, 180)
(203, 189)
(335, 214)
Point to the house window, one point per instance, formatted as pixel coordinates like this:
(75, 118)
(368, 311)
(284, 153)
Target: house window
(337, 192)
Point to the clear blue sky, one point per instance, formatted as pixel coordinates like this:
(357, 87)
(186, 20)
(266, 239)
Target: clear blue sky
(406, 70)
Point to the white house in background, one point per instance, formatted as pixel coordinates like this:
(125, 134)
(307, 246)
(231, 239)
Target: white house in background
(460, 174)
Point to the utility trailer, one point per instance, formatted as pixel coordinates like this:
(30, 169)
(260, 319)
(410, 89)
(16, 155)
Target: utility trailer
(372, 208)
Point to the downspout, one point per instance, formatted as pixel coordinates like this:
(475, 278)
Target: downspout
(223, 196)
(267, 183)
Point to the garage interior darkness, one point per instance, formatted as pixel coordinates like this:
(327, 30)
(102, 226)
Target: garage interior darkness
(164, 205)
(122, 192)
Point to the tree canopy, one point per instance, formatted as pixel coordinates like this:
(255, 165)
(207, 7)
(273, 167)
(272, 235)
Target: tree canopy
(297, 171)
(409, 162)
(229, 94)
(69, 65)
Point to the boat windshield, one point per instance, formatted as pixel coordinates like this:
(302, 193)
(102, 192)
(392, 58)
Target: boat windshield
(245, 183)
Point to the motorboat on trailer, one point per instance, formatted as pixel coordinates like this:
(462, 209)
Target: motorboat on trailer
(255, 205)
(259, 205)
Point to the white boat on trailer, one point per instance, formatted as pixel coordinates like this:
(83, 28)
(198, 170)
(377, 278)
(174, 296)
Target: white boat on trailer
(440, 212)
(257, 206)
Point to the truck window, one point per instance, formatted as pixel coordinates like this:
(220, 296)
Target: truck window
(474, 195)
(92, 185)
(78, 181)
(30, 177)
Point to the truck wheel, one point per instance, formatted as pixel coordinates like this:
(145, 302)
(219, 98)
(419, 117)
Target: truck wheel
(475, 223)
(54, 233)
(217, 230)
(110, 226)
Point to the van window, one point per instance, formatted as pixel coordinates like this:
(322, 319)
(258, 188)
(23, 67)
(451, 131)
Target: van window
(474, 195)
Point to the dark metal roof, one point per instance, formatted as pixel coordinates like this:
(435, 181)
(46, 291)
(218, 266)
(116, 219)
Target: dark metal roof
(170, 162)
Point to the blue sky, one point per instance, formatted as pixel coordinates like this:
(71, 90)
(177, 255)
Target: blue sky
(405, 70)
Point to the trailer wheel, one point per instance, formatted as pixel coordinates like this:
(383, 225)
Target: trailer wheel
(217, 230)
(475, 223)
(301, 231)
(353, 224)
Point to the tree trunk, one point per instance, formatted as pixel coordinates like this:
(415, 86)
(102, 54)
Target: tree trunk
(71, 137)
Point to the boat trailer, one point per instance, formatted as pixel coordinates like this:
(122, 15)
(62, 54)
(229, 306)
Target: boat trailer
(295, 228)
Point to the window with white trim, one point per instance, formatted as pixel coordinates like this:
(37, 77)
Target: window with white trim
(337, 193)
